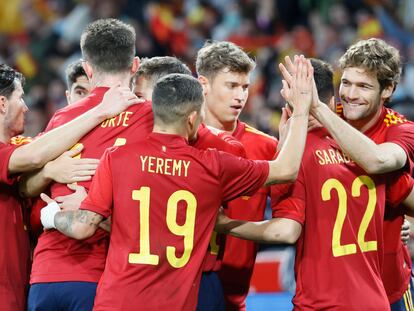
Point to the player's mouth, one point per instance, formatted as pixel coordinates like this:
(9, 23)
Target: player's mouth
(237, 108)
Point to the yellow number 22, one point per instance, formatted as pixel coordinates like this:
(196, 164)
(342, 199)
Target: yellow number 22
(347, 249)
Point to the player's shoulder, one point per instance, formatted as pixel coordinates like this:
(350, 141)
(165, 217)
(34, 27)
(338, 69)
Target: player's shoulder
(20, 140)
(394, 119)
(256, 135)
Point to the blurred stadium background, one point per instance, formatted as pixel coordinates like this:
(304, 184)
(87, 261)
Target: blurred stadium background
(40, 37)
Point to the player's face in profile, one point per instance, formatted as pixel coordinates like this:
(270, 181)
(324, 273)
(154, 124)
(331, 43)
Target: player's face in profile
(15, 111)
(227, 95)
(80, 89)
(143, 88)
(360, 94)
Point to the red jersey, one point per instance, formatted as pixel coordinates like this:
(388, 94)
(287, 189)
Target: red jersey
(395, 128)
(339, 254)
(14, 241)
(240, 255)
(163, 196)
(58, 258)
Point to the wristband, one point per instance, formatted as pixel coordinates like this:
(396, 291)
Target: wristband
(47, 215)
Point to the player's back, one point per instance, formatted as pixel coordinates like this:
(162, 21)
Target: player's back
(339, 255)
(166, 196)
(58, 258)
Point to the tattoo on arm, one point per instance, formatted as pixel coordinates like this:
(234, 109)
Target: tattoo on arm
(71, 222)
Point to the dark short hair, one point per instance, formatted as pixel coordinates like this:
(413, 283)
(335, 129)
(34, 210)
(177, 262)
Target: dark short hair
(215, 56)
(74, 71)
(175, 96)
(323, 74)
(156, 67)
(109, 45)
(8, 76)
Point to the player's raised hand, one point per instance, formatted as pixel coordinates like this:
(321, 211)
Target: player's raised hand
(117, 99)
(297, 86)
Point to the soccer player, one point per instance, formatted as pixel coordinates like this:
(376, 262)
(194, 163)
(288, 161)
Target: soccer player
(371, 71)
(77, 82)
(224, 71)
(345, 224)
(154, 68)
(65, 272)
(17, 159)
(159, 238)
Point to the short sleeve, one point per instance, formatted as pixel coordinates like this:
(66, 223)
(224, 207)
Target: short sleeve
(100, 196)
(5, 154)
(291, 202)
(222, 142)
(403, 136)
(239, 176)
(398, 188)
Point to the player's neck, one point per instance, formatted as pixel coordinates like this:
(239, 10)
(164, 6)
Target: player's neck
(229, 127)
(109, 80)
(5, 135)
(169, 129)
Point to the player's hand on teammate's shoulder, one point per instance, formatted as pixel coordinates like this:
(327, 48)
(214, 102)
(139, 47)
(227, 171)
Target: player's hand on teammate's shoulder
(117, 99)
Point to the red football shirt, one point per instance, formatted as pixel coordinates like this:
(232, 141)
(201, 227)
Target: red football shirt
(240, 255)
(163, 196)
(14, 240)
(393, 127)
(58, 258)
(339, 254)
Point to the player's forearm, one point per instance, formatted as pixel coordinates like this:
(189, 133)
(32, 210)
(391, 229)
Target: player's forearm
(50, 145)
(34, 183)
(285, 168)
(373, 158)
(267, 231)
(77, 224)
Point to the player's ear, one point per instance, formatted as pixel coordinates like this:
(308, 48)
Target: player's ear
(205, 83)
(387, 92)
(192, 122)
(135, 65)
(88, 69)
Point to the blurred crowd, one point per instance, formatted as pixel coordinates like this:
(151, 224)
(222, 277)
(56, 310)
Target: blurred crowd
(41, 37)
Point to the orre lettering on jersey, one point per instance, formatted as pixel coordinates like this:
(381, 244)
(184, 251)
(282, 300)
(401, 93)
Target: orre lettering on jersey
(119, 120)
(164, 166)
(332, 156)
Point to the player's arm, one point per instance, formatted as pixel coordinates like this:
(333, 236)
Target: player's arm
(50, 145)
(64, 169)
(76, 224)
(409, 204)
(299, 94)
(373, 158)
(276, 230)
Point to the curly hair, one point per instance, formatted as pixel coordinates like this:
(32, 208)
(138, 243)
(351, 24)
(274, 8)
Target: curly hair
(377, 57)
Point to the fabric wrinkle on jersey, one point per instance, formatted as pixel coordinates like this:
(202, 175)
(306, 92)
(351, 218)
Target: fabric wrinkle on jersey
(360, 271)
(58, 258)
(15, 258)
(240, 255)
(212, 177)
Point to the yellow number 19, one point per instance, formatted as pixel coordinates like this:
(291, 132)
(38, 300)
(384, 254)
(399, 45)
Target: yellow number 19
(185, 230)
